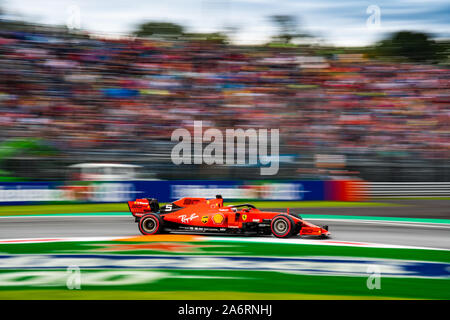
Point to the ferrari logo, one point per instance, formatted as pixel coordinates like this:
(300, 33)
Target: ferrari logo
(205, 219)
(244, 217)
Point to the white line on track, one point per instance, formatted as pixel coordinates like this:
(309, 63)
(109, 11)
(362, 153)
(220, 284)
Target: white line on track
(57, 239)
(355, 221)
(328, 242)
(391, 223)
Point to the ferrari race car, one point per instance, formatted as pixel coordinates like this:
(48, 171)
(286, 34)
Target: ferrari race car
(197, 215)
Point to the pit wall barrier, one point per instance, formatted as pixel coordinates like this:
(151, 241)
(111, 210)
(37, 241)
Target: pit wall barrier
(166, 191)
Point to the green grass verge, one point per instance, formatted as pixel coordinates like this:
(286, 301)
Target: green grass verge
(258, 282)
(123, 207)
(179, 284)
(166, 295)
(217, 247)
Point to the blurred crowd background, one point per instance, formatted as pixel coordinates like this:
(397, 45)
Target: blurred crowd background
(68, 98)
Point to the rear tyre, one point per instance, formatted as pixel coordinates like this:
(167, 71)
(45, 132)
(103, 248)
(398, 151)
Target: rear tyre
(282, 226)
(150, 224)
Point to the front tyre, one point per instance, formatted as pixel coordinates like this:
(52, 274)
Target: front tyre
(150, 224)
(282, 226)
(296, 215)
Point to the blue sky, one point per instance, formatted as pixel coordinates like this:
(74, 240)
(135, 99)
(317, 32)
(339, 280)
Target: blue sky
(339, 22)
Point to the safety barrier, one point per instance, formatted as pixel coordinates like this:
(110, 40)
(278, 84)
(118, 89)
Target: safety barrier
(373, 190)
(165, 191)
(122, 191)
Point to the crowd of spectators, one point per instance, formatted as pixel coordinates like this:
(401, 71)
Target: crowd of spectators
(82, 93)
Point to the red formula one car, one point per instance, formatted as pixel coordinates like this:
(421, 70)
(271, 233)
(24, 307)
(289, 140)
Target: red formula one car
(210, 215)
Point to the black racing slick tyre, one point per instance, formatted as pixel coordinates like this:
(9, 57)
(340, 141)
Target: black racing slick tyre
(297, 226)
(282, 226)
(296, 215)
(151, 224)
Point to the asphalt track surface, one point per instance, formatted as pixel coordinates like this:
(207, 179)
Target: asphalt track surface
(384, 232)
(434, 209)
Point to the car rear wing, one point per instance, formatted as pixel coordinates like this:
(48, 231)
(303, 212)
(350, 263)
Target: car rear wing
(139, 207)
